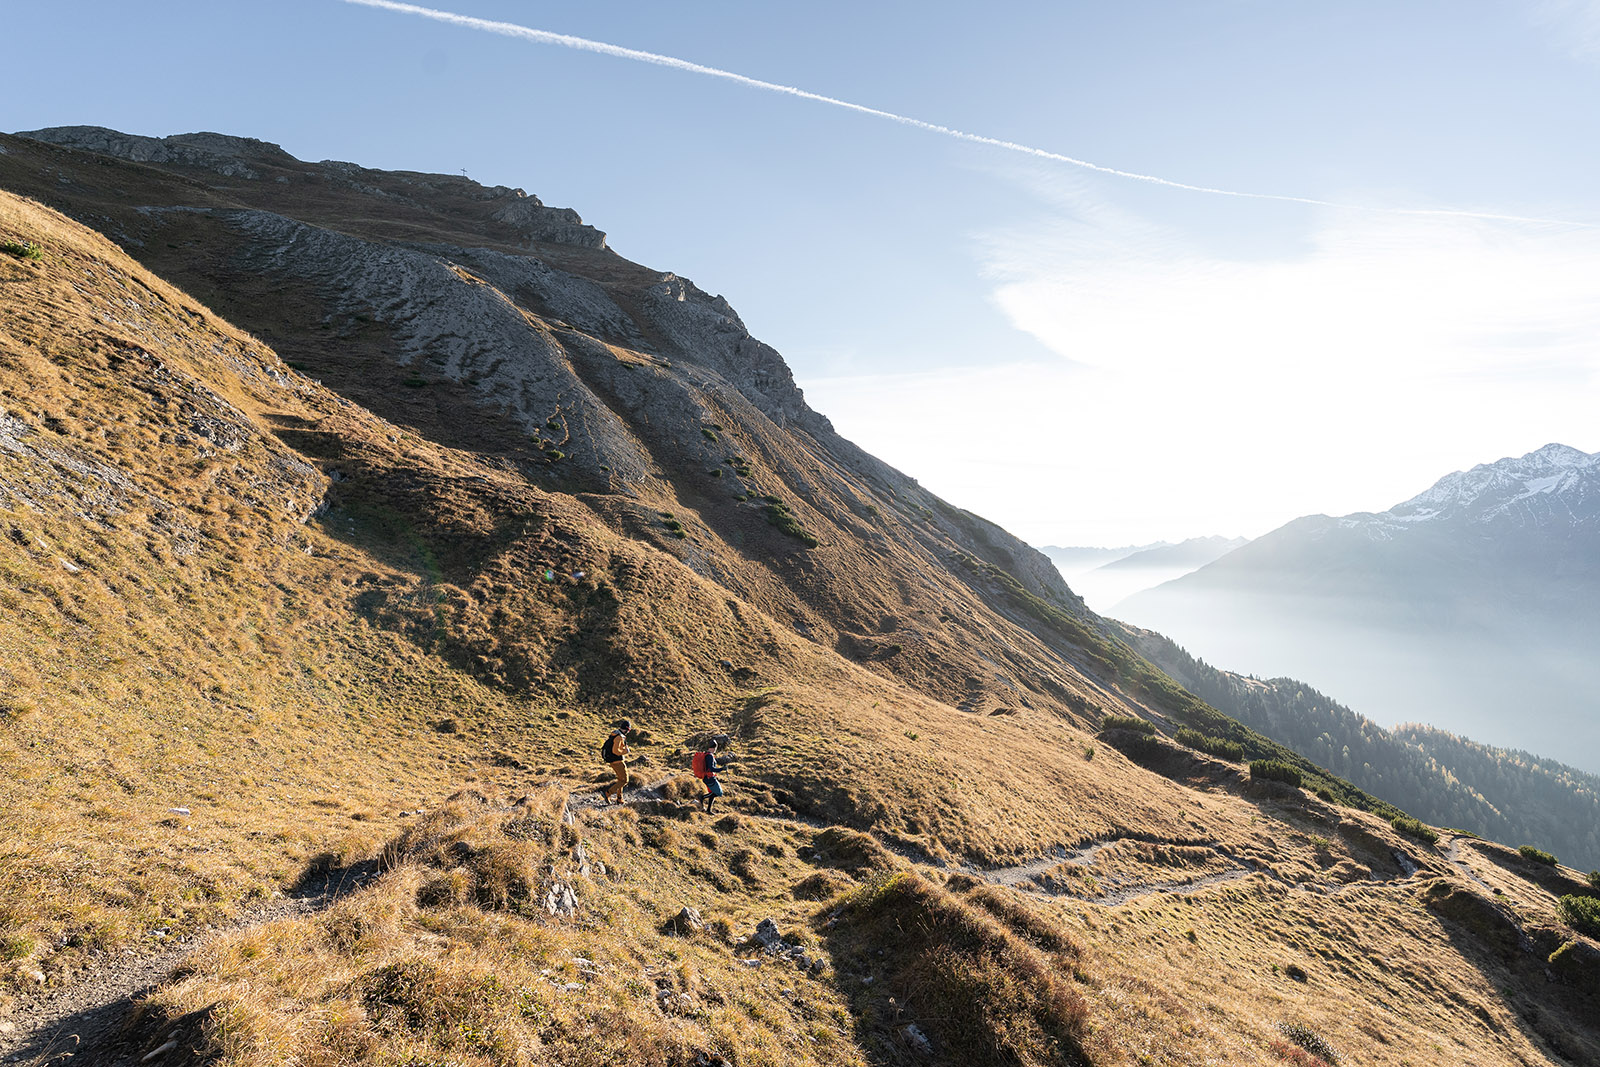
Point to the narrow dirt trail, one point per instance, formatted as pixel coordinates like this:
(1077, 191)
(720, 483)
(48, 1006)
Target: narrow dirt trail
(81, 1019)
(85, 1016)
(1453, 854)
(1019, 876)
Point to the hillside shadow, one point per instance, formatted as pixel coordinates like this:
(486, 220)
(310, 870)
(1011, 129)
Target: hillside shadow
(1515, 960)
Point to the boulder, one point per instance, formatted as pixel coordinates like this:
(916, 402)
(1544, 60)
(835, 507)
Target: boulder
(767, 934)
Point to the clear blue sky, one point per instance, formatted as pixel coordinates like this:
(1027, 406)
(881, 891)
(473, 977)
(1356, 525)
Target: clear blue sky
(1083, 358)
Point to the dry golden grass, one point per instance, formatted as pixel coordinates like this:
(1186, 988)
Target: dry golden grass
(400, 970)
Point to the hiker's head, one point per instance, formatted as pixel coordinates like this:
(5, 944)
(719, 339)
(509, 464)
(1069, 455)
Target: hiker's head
(622, 726)
(712, 747)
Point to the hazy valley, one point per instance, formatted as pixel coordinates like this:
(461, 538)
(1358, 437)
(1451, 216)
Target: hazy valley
(1473, 607)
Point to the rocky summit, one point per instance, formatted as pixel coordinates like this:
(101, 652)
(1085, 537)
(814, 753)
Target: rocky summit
(346, 514)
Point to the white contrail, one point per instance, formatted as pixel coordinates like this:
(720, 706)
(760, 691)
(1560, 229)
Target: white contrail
(527, 33)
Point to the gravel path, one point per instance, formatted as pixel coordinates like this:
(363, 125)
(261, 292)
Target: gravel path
(82, 1021)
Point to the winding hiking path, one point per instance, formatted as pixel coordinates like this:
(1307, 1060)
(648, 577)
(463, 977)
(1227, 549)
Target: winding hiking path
(1025, 876)
(85, 1016)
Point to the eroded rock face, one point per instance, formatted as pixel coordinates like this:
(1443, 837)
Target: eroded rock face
(451, 323)
(558, 225)
(216, 152)
(708, 330)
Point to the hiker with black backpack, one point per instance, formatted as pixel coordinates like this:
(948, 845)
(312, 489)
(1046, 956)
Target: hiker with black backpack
(613, 752)
(705, 767)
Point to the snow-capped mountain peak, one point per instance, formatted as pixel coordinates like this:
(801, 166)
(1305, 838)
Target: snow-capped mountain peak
(1567, 480)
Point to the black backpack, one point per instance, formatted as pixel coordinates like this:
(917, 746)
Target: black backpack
(606, 754)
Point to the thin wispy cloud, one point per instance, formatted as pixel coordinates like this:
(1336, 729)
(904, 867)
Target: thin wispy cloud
(1576, 21)
(546, 37)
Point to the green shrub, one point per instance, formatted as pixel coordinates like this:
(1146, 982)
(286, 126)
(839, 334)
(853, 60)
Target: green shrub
(1580, 913)
(22, 249)
(1537, 855)
(1275, 770)
(778, 515)
(1216, 746)
(1414, 828)
(1594, 879)
(708, 434)
(1127, 722)
(554, 454)
(1310, 1040)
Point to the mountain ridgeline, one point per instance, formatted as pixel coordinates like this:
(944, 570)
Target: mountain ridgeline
(1504, 794)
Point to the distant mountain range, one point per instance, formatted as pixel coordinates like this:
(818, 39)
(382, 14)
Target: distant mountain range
(1474, 606)
(1104, 576)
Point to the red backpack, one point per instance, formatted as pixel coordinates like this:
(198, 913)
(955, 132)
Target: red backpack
(698, 765)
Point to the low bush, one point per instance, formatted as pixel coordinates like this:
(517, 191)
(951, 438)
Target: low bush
(1594, 879)
(1537, 855)
(1414, 828)
(1216, 746)
(1310, 1040)
(1275, 771)
(1127, 722)
(1580, 913)
(778, 514)
(22, 249)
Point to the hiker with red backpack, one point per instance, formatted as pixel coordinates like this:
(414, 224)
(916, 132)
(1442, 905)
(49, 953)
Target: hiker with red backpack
(613, 753)
(705, 767)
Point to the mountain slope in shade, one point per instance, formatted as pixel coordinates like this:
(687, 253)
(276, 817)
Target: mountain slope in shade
(1443, 779)
(1473, 607)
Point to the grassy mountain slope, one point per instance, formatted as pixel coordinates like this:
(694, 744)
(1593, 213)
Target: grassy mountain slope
(254, 627)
